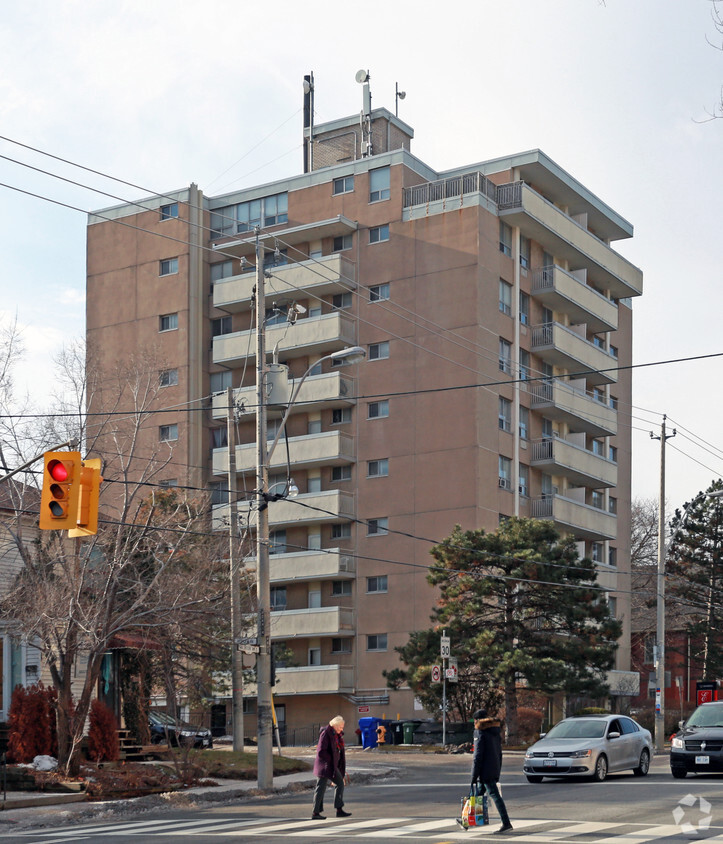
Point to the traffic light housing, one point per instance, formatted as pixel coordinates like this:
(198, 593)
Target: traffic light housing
(59, 497)
(69, 497)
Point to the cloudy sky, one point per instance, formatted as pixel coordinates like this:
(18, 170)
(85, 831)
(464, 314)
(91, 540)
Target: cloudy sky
(161, 93)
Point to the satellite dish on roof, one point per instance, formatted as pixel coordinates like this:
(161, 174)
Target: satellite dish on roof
(362, 76)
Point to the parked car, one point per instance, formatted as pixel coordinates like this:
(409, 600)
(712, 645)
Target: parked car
(698, 746)
(165, 728)
(590, 746)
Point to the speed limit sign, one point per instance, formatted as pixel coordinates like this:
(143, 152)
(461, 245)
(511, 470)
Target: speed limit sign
(436, 674)
(445, 648)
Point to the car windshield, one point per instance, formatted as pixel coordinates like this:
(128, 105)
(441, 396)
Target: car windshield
(578, 729)
(706, 716)
(162, 718)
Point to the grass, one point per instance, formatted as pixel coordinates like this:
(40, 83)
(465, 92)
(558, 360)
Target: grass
(231, 764)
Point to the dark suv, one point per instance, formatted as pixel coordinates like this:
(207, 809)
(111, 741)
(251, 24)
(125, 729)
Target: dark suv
(698, 746)
(164, 728)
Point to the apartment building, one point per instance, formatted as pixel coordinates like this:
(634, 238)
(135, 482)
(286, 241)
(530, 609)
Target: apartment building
(496, 317)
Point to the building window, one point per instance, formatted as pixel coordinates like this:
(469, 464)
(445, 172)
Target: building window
(219, 437)
(612, 556)
(377, 642)
(377, 234)
(278, 597)
(168, 378)
(220, 326)
(524, 365)
(168, 483)
(220, 381)
(505, 298)
(379, 181)
(342, 531)
(505, 472)
(219, 494)
(168, 267)
(598, 447)
(377, 584)
(649, 649)
(524, 252)
(340, 415)
(168, 322)
(598, 499)
(524, 423)
(313, 484)
(505, 239)
(377, 527)
(378, 468)
(524, 308)
(504, 414)
(221, 270)
(276, 209)
(613, 350)
(274, 316)
(524, 480)
(345, 184)
(313, 426)
(505, 359)
(342, 243)
(378, 409)
(168, 433)
(379, 292)
(340, 587)
(612, 505)
(599, 342)
(277, 542)
(170, 211)
(613, 453)
(597, 551)
(340, 473)
(342, 300)
(341, 646)
(547, 429)
(379, 351)
(244, 216)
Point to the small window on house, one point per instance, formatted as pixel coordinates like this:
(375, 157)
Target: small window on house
(341, 646)
(168, 378)
(505, 239)
(219, 437)
(612, 504)
(278, 597)
(524, 365)
(504, 415)
(612, 556)
(598, 499)
(379, 351)
(505, 298)
(220, 381)
(342, 243)
(277, 541)
(342, 300)
(505, 356)
(524, 308)
(524, 480)
(505, 472)
(596, 552)
(378, 468)
(377, 527)
(345, 184)
(170, 211)
(341, 473)
(219, 494)
(168, 267)
(379, 292)
(613, 453)
(378, 409)
(377, 584)
(340, 587)
(342, 531)
(379, 181)
(168, 433)
(377, 234)
(377, 642)
(340, 415)
(168, 483)
(221, 270)
(220, 326)
(168, 322)
(524, 252)
(524, 423)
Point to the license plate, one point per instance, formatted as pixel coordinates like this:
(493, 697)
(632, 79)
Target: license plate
(702, 760)
(549, 763)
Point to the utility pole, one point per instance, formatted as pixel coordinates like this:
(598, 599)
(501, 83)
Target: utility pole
(237, 660)
(660, 630)
(264, 733)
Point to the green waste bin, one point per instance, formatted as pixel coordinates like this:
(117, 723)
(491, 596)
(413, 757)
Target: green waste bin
(408, 729)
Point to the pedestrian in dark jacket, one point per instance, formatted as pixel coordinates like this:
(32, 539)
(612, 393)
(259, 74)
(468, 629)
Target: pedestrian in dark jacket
(487, 761)
(330, 765)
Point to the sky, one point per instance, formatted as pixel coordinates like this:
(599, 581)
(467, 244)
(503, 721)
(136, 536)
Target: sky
(162, 93)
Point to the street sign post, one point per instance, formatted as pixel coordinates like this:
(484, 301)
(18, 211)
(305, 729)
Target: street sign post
(445, 647)
(436, 674)
(452, 673)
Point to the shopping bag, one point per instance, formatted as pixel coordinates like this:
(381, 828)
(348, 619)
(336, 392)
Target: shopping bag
(474, 808)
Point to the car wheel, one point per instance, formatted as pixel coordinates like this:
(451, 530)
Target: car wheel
(601, 768)
(679, 773)
(531, 778)
(644, 764)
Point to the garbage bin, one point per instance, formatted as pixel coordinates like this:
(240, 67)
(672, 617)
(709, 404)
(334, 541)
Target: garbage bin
(368, 727)
(408, 729)
(395, 734)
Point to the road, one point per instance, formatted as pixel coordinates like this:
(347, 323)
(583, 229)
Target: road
(420, 805)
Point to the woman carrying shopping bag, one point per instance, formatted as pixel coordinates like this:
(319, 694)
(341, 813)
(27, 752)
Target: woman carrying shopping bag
(487, 761)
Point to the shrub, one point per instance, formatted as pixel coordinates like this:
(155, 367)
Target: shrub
(103, 743)
(529, 723)
(31, 723)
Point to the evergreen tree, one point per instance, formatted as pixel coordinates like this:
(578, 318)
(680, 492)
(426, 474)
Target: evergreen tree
(518, 603)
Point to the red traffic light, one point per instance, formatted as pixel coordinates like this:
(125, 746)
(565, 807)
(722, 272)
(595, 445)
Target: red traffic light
(60, 492)
(58, 471)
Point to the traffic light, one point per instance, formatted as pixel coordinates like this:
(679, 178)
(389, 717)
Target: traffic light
(59, 497)
(87, 511)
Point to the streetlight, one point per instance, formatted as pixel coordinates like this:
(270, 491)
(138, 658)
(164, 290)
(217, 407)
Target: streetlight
(264, 715)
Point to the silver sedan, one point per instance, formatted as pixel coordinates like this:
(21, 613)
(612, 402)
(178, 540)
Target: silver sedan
(590, 746)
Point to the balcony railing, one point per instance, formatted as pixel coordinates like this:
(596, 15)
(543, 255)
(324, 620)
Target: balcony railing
(558, 345)
(561, 291)
(317, 621)
(575, 517)
(579, 410)
(582, 467)
(451, 188)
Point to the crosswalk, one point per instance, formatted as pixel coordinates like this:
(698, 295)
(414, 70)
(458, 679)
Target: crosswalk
(377, 829)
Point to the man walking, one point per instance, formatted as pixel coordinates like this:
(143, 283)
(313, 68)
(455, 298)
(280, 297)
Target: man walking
(487, 761)
(330, 765)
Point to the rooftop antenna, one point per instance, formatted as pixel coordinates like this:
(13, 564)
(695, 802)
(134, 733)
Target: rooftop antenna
(309, 122)
(365, 118)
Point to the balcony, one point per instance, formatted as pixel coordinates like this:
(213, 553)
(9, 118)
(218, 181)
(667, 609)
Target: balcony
(314, 278)
(560, 291)
(329, 564)
(322, 391)
(315, 680)
(311, 336)
(576, 409)
(317, 621)
(558, 345)
(560, 235)
(584, 468)
(569, 516)
(330, 448)
(309, 509)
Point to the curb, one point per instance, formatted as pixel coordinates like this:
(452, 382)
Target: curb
(44, 800)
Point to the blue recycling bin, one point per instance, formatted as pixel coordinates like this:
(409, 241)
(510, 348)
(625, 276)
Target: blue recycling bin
(368, 727)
